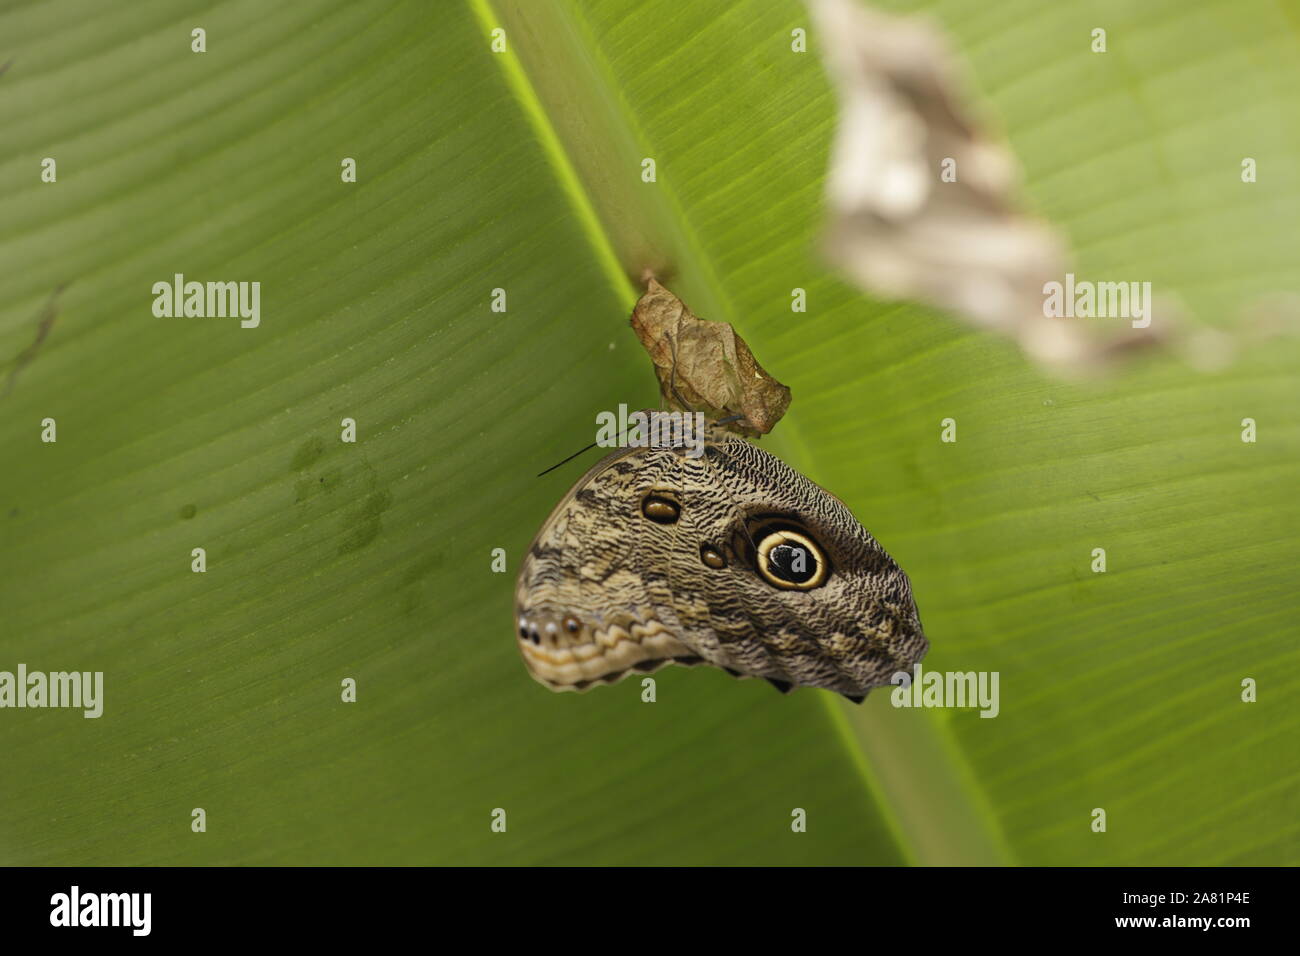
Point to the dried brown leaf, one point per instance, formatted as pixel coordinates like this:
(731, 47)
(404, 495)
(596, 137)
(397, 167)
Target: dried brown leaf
(705, 366)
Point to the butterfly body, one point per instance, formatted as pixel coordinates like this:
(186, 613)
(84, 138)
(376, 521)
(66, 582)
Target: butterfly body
(731, 558)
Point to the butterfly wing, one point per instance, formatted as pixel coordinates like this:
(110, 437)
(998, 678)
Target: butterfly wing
(733, 559)
(810, 598)
(592, 603)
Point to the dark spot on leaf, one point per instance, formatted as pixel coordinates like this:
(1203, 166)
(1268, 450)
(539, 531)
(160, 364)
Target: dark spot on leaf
(364, 522)
(378, 503)
(188, 512)
(308, 453)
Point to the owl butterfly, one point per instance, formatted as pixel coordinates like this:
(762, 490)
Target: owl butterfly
(730, 558)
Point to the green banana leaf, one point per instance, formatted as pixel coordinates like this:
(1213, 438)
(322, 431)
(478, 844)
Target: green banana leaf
(522, 170)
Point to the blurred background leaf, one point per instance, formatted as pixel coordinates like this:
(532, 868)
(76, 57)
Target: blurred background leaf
(522, 171)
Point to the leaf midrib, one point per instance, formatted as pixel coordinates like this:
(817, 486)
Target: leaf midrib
(910, 770)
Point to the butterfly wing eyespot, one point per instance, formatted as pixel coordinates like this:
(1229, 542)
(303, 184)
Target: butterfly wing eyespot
(790, 559)
(712, 557)
(660, 509)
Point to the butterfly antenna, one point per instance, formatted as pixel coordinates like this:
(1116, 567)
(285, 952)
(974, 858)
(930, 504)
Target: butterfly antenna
(569, 459)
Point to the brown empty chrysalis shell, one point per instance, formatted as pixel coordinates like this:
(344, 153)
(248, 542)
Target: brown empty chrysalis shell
(705, 366)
